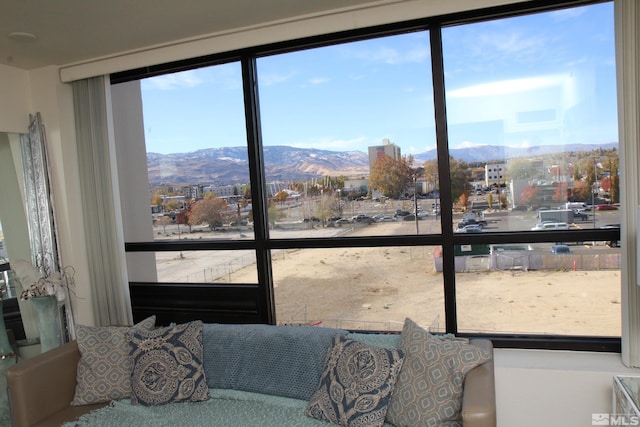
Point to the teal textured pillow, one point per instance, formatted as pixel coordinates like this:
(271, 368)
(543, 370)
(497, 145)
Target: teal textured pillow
(430, 384)
(104, 369)
(167, 365)
(278, 360)
(356, 385)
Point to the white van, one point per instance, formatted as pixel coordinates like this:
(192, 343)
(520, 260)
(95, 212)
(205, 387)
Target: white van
(575, 205)
(551, 226)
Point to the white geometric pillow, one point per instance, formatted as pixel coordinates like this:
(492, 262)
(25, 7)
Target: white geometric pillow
(429, 388)
(104, 369)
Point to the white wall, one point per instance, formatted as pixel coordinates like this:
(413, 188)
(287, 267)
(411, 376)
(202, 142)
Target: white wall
(42, 91)
(15, 102)
(554, 388)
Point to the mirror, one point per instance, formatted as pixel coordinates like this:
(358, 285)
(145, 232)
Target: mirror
(27, 229)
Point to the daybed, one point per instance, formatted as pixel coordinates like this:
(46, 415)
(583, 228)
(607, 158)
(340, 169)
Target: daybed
(256, 375)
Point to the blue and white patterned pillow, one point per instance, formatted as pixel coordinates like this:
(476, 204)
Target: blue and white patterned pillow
(356, 385)
(167, 365)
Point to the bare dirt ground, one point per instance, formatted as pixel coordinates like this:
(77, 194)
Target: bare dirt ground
(377, 288)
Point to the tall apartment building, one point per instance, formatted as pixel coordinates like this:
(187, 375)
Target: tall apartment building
(387, 148)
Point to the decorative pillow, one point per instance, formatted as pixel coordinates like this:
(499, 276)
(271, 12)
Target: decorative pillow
(276, 360)
(377, 339)
(430, 384)
(104, 369)
(167, 365)
(356, 385)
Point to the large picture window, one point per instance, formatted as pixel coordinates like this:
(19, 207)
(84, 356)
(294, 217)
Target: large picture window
(462, 171)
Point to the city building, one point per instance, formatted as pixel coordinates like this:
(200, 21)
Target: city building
(494, 174)
(386, 149)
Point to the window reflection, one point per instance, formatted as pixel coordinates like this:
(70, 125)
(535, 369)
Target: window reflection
(531, 117)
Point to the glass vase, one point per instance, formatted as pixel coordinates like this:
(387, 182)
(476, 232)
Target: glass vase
(7, 358)
(48, 322)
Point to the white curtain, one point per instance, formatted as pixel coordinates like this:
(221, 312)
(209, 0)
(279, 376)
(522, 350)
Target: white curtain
(627, 27)
(102, 222)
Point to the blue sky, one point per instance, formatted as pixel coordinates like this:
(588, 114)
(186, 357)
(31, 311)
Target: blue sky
(539, 79)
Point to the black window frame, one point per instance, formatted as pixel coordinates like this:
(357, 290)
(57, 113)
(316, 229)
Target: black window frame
(262, 294)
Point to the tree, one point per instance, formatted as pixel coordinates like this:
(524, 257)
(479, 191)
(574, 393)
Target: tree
(560, 195)
(172, 205)
(521, 169)
(611, 165)
(156, 200)
(391, 176)
(431, 172)
(460, 176)
(590, 173)
(581, 191)
(325, 207)
(163, 221)
(246, 192)
(529, 195)
(273, 213)
(464, 199)
(281, 196)
(209, 210)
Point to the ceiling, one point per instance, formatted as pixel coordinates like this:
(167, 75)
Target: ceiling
(70, 31)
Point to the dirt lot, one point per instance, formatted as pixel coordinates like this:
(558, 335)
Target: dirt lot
(376, 288)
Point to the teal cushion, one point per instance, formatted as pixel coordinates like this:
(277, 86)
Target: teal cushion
(379, 339)
(356, 385)
(278, 360)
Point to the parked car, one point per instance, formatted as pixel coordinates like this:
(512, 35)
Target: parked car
(471, 221)
(341, 221)
(551, 226)
(410, 217)
(605, 207)
(560, 249)
(470, 229)
(362, 218)
(580, 214)
(612, 243)
(383, 218)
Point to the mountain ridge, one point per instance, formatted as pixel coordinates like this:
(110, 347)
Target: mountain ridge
(230, 165)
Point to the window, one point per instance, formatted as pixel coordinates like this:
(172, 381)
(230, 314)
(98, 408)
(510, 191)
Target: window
(461, 171)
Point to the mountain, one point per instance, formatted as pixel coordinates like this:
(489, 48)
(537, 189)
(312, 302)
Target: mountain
(488, 153)
(229, 165)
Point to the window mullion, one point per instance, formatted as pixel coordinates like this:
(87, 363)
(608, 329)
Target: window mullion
(258, 189)
(437, 70)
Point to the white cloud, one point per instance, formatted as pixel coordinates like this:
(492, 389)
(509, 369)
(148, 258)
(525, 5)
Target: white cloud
(567, 14)
(318, 80)
(508, 86)
(392, 56)
(173, 81)
(270, 79)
